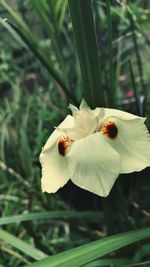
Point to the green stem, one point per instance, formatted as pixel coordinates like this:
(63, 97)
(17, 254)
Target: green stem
(85, 37)
(134, 88)
(111, 88)
(43, 60)
(57, 42)
(137, 54)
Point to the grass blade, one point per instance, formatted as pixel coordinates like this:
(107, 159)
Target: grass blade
(22, 246)
(83, 254)
(45, 62)
(111, 92)
(88, 215)
(134, 88)
(138, 56)
(28, 37)
(85, 38)
(41, 10)
(108, 262)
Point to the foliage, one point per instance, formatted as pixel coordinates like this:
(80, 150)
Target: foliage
(39, 74)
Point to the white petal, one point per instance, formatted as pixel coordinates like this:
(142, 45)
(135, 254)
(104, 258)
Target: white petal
(68, 122)
(84, 105)
(55, 172)
(73, 108)
(85, 121)
(93, 164)
(54, 166)
(99, 117)
(109, 112)
(132, 144)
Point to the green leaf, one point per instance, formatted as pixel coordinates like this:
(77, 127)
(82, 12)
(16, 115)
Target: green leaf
(111, 91)
(41, 9)
(31, 41)
(85, 38)
(108, 262)
(88, 215)
(45, 61)
(134, 88)
(22, 246)
(84, 254)
(12, 32)
(137, 54)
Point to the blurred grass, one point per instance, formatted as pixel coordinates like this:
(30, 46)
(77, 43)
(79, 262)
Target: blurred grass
(32, 102)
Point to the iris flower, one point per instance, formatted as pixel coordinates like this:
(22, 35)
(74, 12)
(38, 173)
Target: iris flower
(92, 147)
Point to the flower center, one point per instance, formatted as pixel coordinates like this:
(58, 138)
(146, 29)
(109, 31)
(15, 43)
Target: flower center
(110, 129)
(63, 144)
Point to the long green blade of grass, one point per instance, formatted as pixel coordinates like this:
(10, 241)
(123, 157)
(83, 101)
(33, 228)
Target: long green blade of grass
(85, 38)
(42, 58)
(22, 246)
(111, 88)
(88, 215)
(41, 10)
(28, 37)
(83, 254)
(137, 54)
(134, 88)
(108, 262)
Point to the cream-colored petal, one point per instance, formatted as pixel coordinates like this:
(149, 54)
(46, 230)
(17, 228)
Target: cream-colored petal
(55, 172)
(99, 117)
(132, 144)
(84, 105)
(93, 164)
(54, 166)
(68, 122)
(74, 109)
(109, 112)
(85, 121)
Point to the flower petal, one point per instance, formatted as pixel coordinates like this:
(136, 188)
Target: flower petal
(55, 172)
(132, 143)
(68, 122)
(85, 121)
(109, 112)
(93, 164)
(84, 105)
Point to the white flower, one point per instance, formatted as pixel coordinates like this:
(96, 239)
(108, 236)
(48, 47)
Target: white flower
(92, 147)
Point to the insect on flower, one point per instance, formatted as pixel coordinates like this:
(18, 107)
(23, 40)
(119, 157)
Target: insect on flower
(92, 147)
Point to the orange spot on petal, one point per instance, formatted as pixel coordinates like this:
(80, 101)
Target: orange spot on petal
(63, 144)
(110, 129)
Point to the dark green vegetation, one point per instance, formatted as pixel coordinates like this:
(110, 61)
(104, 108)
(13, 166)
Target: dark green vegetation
(39, 75)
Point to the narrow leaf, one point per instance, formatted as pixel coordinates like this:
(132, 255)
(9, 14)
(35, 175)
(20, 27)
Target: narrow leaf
(41, 10)
(83, 254)
(138, 109)
(85, 38)
(111, 87)
(88, 215)
(108, 262)
(46, 62)
(138, 56)
(22, 246)
(23, 30)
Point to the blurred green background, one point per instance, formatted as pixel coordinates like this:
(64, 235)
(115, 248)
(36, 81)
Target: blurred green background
(39, 75)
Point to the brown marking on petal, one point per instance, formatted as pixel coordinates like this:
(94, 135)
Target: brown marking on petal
(110, 129)
(63, 144)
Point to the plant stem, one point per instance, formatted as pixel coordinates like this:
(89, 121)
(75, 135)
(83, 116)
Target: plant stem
(111, 88)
